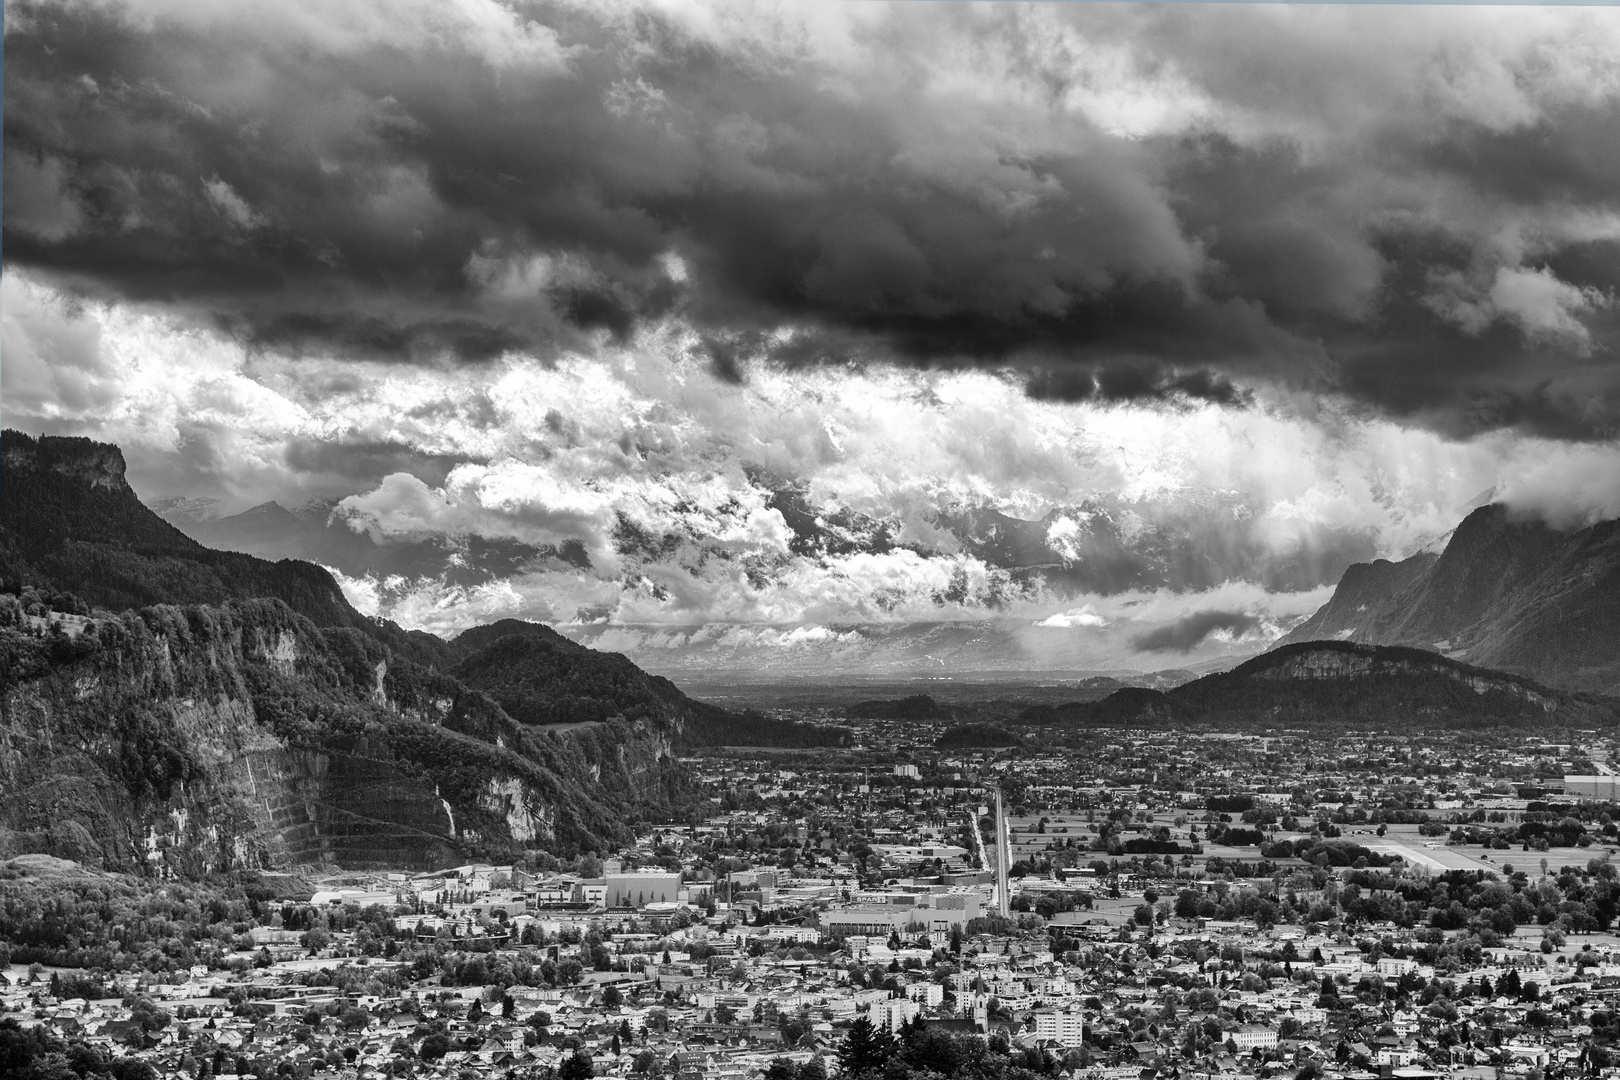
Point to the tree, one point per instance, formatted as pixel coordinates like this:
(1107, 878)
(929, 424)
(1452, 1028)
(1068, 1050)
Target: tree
(147, 1013)
(434, 1047)
(577, 1066)
(864, 1048)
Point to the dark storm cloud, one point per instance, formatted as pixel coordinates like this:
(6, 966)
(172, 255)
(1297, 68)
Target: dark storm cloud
(1125, 204)
(1135, 382)
(1187, 633)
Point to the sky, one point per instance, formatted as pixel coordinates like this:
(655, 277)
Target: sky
(1124, 328)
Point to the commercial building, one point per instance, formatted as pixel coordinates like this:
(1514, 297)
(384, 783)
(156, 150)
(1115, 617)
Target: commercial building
(1592, 787)
(902, 913)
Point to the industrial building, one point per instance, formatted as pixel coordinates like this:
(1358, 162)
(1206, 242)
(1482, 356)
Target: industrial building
(1592, 787)
(637, 889)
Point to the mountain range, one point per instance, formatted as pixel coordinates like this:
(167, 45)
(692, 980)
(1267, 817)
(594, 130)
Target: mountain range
(1508, 592)
(168, 706)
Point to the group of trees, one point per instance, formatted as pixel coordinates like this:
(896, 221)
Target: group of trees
(1538, 831)
(1050, 903)
(122, 924)
(1576, 900)
(37, 1053)
(920, 1051)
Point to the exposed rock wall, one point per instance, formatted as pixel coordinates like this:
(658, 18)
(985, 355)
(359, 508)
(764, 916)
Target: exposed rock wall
(189, 740)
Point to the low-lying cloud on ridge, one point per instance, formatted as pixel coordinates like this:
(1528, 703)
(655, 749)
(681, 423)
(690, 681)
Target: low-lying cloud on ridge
(1191, 630)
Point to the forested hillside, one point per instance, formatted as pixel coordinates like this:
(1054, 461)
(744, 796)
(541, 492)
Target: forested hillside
(1344, 684)
(540, 677)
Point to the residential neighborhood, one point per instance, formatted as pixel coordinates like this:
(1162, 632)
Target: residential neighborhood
(1353, 908)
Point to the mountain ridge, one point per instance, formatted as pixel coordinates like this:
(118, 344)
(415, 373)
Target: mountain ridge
(203, 709)
(1340, 683)
(1508, 592)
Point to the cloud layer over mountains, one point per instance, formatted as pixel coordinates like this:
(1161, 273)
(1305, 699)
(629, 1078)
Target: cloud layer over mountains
(1137, 322)
(809, 498)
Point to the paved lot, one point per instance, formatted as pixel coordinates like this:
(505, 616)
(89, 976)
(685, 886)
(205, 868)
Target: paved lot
(1417, 852)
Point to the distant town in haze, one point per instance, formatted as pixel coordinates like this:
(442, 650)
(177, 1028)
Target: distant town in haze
(797, 540)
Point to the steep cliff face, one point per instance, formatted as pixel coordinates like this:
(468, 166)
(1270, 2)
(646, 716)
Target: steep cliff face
(1490, 556)
(1507, 593)
(203, 738)
(1361, 593)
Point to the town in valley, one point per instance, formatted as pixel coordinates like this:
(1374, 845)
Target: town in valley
(1123, 905)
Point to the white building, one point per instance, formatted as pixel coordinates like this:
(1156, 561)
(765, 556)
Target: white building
(1253, 1037)
(1064, 1027)
(889, 1015)
(1308, 1014)
(929, 994)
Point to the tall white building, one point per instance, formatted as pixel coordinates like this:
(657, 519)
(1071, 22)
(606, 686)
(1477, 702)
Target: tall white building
(926, 993)
(1065, 1027)
(889, 1015)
